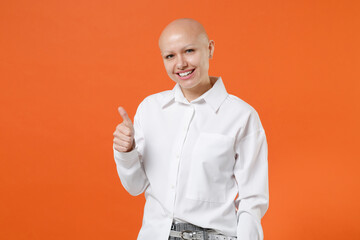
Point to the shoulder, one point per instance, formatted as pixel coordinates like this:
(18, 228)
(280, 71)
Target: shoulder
(156, 99)
(244, 113)
(235, 103)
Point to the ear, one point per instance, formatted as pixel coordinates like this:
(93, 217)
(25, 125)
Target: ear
(211, 48)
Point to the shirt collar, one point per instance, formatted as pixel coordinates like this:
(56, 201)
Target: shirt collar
(214, 96)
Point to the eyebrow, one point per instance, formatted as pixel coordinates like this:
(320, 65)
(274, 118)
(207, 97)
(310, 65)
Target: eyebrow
(186, 46)
(189, 45)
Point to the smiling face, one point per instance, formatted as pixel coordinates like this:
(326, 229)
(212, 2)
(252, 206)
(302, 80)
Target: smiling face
(186, 50)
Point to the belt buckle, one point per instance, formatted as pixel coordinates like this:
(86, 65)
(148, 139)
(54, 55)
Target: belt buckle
(191, 234)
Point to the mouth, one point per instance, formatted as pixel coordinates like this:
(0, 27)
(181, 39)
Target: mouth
(186, 74)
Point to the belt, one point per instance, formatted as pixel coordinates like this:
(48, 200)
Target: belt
(192, 232)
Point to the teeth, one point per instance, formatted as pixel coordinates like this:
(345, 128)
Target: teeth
(185, 73)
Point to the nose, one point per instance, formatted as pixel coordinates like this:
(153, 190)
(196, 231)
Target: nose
(181, 62)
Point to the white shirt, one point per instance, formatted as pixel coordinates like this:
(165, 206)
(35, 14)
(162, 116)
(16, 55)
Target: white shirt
(193, 159)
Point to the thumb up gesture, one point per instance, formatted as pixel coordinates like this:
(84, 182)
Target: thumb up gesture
(124, 133)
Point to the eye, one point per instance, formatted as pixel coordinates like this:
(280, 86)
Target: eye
(169, 56)
(189, 50)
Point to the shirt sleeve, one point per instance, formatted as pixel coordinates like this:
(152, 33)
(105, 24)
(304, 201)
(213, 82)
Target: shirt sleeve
(251, 173)
(129, 165)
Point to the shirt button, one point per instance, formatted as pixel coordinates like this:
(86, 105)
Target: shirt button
(172, 186)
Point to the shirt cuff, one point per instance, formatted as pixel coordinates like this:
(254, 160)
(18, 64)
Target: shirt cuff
(125, 156)
(249, 228)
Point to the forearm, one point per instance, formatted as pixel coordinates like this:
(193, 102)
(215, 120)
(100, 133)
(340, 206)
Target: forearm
(251, 172)
(131, 171)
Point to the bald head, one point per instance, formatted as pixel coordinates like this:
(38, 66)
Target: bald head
(186, 50)
(180, 27)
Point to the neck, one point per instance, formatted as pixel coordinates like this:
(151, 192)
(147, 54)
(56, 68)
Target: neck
(192, 94)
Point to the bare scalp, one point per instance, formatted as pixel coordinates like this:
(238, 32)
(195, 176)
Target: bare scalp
(183, 25)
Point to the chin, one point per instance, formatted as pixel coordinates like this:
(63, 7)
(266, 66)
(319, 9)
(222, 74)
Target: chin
(189, 84)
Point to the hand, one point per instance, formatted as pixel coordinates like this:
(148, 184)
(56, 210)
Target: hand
(124, 133)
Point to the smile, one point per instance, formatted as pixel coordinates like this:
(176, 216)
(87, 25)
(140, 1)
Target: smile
(186, 75)
(183, 74)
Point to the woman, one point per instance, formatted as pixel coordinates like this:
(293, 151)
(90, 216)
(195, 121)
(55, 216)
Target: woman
(199, 153)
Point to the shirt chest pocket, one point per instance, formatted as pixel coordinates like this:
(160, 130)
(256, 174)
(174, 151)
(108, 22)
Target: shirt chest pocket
(211, 169)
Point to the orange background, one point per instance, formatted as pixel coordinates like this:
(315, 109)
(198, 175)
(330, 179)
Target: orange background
(65, 66)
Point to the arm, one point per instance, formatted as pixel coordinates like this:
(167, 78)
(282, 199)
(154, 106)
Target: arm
(129, 164)
(251, 173)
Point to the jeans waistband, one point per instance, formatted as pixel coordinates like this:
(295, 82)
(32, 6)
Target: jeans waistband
(199, 232)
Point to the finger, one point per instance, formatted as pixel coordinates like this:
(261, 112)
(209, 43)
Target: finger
(125, 116)
(121, 136)
(125, 130)
(124, 144)
(119, 148)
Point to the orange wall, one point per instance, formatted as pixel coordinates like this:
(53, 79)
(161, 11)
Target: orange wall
(65, 66)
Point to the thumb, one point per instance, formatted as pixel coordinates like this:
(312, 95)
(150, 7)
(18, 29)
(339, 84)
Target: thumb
(125, 116)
